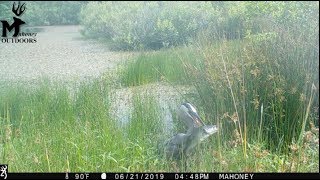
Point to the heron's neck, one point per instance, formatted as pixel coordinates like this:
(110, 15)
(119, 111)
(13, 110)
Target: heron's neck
(189, 131)
(192, 141)
(193, 135)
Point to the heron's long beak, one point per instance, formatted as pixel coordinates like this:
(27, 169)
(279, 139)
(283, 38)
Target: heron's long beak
(196, 119)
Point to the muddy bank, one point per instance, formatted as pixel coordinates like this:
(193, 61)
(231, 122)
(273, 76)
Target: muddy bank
(60, 53)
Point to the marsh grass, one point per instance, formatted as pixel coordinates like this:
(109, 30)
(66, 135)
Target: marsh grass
(46, 129)
(262, 91)
(157, 66)
(49, 129)
(249, 74)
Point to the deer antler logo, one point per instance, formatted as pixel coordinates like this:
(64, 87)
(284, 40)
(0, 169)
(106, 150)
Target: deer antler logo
(19, 10)
(17, 21)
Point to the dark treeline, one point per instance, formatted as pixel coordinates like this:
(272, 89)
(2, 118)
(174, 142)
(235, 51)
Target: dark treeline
(41, 13)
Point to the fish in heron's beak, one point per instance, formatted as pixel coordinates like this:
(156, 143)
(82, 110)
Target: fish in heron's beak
(208, 130)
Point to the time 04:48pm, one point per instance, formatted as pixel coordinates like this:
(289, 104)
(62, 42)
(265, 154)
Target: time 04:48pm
(191, 176)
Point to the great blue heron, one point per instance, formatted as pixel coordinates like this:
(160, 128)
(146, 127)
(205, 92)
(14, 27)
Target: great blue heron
(183, 143)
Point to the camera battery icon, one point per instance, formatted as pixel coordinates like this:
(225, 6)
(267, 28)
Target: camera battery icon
(103, 176)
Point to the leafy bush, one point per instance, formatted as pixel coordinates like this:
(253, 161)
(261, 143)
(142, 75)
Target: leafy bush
(153, 25)
(5, 9)
(146, 25)
(52, 13)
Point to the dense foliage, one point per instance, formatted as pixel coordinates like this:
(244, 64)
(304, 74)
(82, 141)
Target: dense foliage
(45, 13)
(153, 25)
(147, 25)
(5, 9)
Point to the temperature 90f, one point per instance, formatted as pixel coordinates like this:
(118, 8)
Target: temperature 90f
(81, 176)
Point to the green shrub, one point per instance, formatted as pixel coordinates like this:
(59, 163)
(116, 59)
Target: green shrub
(52, 13)
(153, 25)
(146, 25)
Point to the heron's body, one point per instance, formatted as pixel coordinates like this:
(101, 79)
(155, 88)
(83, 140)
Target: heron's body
(184, 143)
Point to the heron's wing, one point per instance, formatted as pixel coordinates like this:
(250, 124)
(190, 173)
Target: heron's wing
(178, 139)
(174, 146)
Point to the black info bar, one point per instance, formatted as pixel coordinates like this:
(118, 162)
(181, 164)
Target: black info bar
(155, 176)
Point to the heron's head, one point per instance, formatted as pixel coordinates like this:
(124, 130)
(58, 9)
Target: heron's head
(191, 115)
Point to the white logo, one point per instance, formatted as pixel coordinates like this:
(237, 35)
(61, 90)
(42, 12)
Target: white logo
(3, 170)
